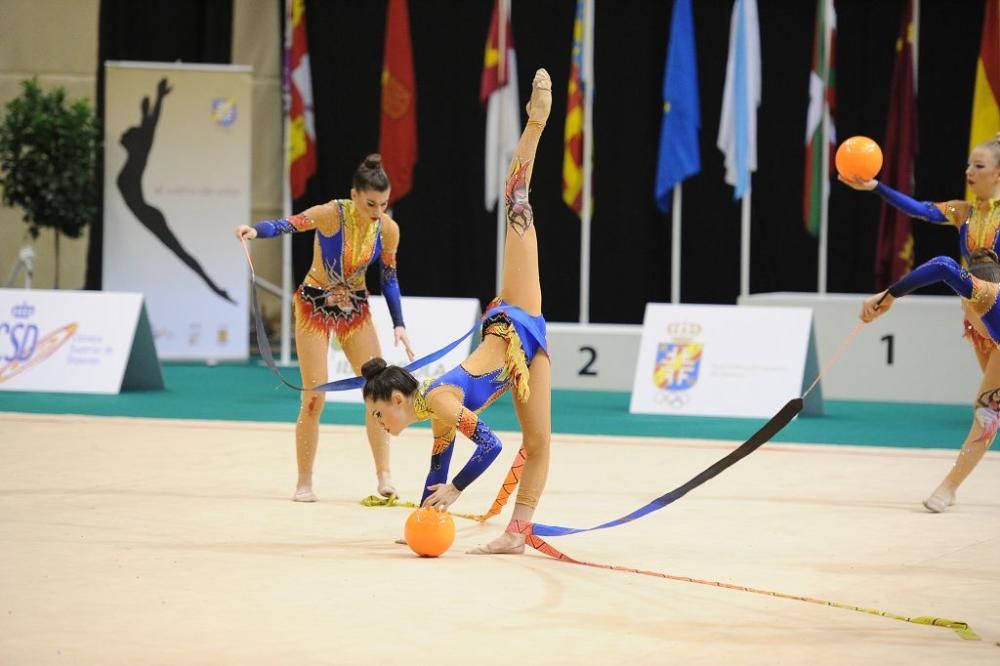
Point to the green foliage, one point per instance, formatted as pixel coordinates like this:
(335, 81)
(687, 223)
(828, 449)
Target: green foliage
(48, 158)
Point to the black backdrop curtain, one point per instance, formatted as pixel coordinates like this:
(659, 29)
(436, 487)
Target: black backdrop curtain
(194, 31)
(448, 239)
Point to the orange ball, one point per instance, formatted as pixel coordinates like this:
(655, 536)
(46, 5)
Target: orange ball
(858, 157)
(429, 532)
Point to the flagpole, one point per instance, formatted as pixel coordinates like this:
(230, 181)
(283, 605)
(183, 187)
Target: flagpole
(587, 80)
(675, 247)
(745, 245)
(824, 194)
(503, 12)
(285, 358)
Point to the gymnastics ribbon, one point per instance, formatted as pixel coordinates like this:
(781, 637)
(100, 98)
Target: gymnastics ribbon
(534, 531)
(766, 432)
(351, 382)
(532, 539)
(758, 439)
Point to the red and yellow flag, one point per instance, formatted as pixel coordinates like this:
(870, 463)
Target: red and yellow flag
(986, 99)
(496, 71)
(498, 93)
(398, 135)
(298, 86)
(572, 187)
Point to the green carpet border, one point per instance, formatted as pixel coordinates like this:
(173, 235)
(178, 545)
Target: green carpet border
(248, 392)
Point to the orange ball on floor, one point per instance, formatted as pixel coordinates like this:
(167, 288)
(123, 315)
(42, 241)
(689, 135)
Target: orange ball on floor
(858, 157)
(429, 532)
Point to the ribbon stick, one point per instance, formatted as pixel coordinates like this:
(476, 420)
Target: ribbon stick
(375, 500)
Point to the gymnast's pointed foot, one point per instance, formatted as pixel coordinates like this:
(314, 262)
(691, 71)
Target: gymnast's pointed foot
(505, 544)
(540, 104)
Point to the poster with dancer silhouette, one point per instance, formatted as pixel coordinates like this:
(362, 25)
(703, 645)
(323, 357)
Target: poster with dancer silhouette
(176, 182)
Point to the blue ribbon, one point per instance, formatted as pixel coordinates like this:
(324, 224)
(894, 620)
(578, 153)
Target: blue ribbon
(767, 431)
(351, 382)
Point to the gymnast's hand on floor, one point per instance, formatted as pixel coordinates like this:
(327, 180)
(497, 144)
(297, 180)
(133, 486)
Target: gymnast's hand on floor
(442, 496)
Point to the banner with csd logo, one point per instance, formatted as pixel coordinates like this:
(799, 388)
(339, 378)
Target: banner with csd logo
(719, 360)
(75, 342)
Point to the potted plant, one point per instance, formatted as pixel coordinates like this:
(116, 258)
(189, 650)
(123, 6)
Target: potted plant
(48, 158)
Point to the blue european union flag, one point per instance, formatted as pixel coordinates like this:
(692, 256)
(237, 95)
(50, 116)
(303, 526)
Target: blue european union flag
(679, 146)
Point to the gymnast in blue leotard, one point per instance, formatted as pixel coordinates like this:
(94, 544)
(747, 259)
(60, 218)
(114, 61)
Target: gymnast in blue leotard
(977, 222)
(332, 300)
(978, 225)
(512, 355)
(978, 286)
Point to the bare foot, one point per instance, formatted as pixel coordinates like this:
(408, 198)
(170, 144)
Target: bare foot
(940, 500)
(304, 495)
(505, 544)
(540, 104)
(385, 485)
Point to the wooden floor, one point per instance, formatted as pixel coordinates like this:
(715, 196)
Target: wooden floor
(138, 541)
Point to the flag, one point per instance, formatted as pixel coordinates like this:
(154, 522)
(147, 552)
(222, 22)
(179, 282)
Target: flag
(679, 148)
(398, 131)
(822, 92)
(572, 185)
(986, 99)
(298, 86)
(741, 96)
(498, 92)
(894, 251)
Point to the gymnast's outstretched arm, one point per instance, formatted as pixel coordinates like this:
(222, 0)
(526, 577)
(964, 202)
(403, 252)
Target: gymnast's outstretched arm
(448, 409)
(938, 269)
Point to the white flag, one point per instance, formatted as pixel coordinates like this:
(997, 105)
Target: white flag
(741, 97)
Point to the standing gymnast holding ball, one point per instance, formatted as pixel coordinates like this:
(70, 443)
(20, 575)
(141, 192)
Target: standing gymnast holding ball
(978, 225)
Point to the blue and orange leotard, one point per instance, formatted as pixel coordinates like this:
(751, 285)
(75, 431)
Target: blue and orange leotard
(978, 226)
(977, 223)
(337, 300)
(526, 337)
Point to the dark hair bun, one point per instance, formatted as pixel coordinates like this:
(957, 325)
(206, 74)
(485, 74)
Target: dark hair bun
(373, 161)
(372, 368)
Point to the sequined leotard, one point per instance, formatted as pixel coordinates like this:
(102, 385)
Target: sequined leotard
(337, 302)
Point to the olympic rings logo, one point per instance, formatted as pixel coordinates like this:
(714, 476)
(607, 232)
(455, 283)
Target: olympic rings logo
(672, 399)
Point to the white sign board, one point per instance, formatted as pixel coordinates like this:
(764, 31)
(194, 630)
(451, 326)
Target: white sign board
(176, 183)
(722, 360)
(593, 357)
(431, 323)
(913, 353)
(75, 342)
